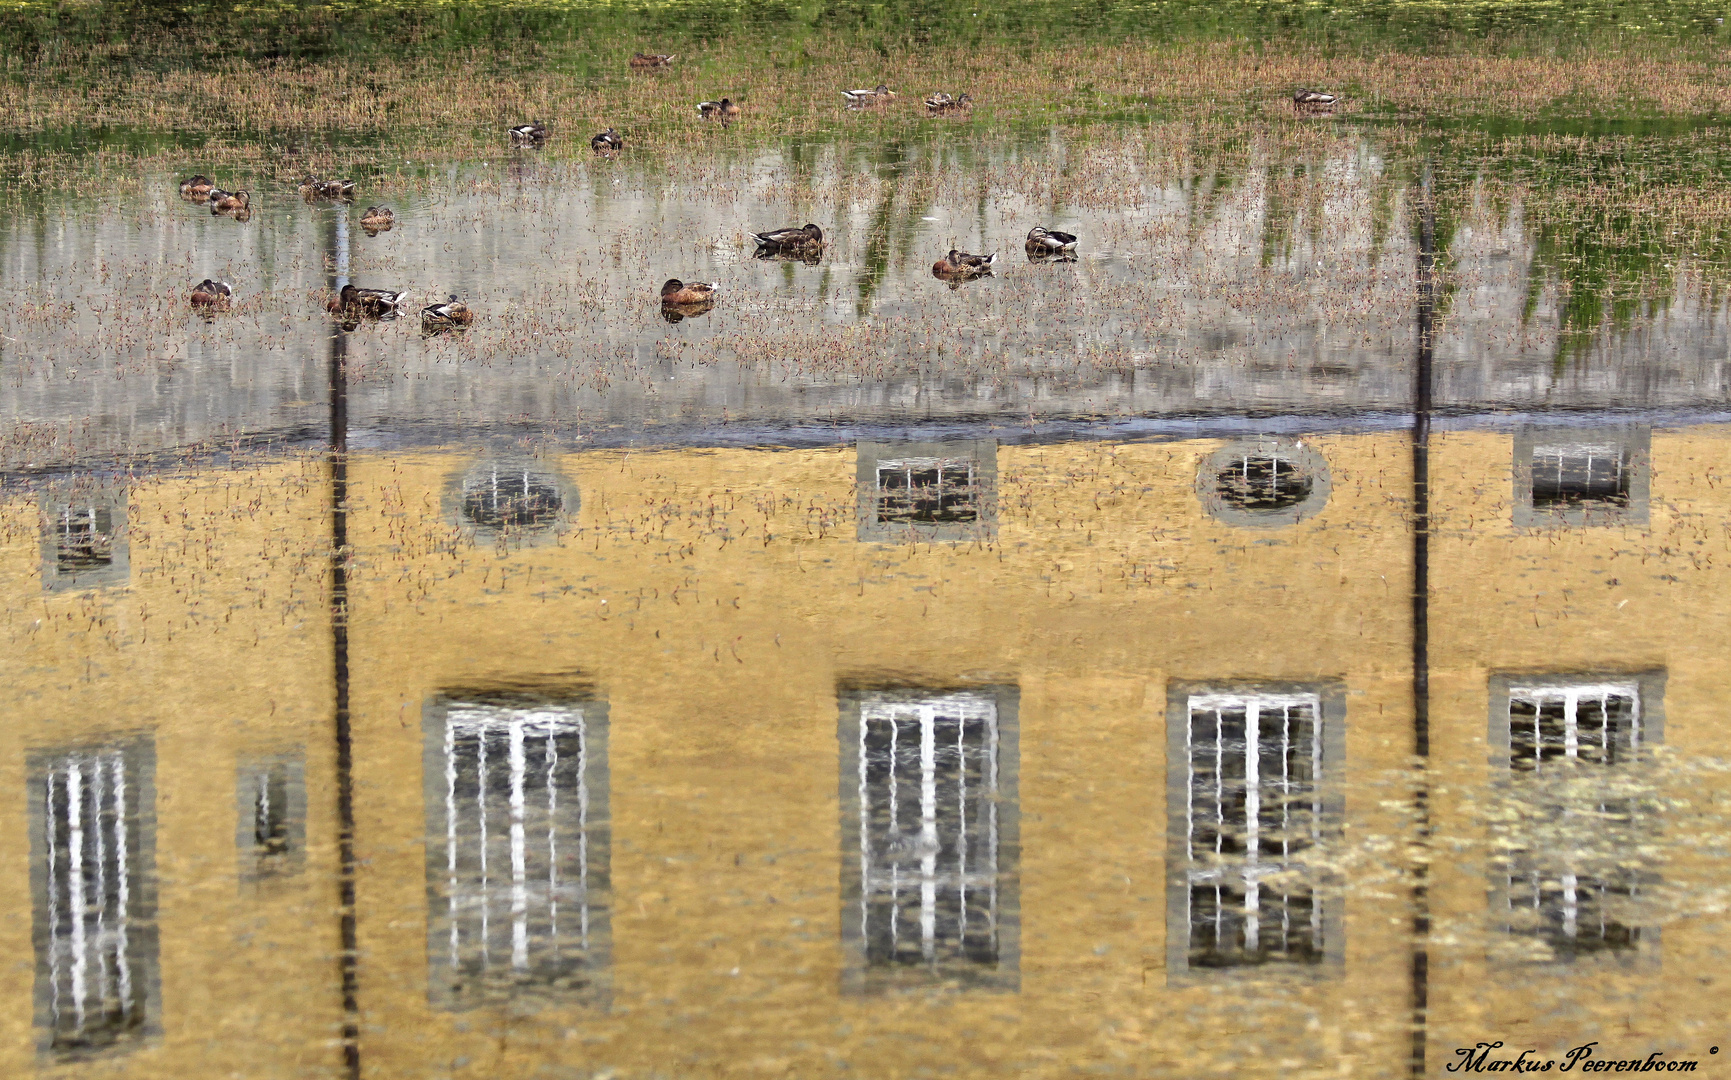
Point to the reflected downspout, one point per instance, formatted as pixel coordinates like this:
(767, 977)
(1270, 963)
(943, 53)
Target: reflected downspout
(1421, 419)
(339, 375)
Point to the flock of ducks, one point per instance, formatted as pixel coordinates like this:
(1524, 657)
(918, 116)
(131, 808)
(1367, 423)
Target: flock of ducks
(679, 299)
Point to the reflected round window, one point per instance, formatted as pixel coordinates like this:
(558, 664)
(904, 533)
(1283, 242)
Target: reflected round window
(511, 498)
(1263, 482)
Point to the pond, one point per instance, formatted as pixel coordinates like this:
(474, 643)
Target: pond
(1280, 637)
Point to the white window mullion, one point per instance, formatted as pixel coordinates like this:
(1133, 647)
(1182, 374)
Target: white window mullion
(519, 852)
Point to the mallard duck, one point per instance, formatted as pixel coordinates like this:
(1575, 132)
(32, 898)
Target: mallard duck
(378, 219)
(197, 188)
(1043, 241)
(312, 188)
(1313, 101)
(651, 60)
(942, 104)
(723, 110)
(528, 134)
(222, 202)
(959, 265)
(375, 303)
(212, 295)
(451, 313)
(674, 291)
(608, 142)
(808, 236)
(864, 99)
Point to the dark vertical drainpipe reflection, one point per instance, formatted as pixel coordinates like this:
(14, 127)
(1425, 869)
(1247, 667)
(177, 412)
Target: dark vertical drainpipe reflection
(1421, 417)
(339, 374)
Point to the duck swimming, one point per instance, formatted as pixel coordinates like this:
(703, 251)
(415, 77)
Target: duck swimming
(373, 303)
(222, 202)
(378, 219)
(1313, 101)
(865, 99)
(212, 295)
(197, 188)
(1043, 241)
(529, 134)
(651, 60)
(942, 104)
(805, 237)
(960, 266)
(312, 188)
(676, 292)
(608, 142)
(723, 110)
(447, 316)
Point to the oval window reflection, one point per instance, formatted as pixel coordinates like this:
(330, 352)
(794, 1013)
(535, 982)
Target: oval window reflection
(1263, 482)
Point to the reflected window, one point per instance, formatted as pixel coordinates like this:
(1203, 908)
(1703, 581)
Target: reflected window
(502, 497)
(930, 829)
(927, 491)
(1567, 476)
(518, 856)
(83, 535)
(93, 840)
(1250, 805)
(1572, 883)
(270, 833)
(1263, 482)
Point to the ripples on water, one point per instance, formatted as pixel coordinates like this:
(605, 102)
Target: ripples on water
(865, 676)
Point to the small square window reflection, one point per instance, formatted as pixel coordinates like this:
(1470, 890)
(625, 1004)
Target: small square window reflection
(1567, 476)
(84, 535)
(927, 491)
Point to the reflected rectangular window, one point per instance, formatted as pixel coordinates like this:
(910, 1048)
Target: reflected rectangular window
(518, 855)
(1581, 476)
(271, 803)
(930, 820)
(1246, 789)
(1594, 723)
(1570, 883)
(94, 885)
(927, 491)
(1571, 474)
(84, 535)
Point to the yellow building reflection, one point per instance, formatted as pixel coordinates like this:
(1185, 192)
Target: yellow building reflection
(904, 757)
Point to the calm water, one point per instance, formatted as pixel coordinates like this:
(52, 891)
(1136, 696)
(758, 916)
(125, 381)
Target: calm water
(1231, 653)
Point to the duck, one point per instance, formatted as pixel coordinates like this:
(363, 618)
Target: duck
(807, 236)
(378, 219)
(677, 293)
(529, 134)
(212, 295)
(222, 202)
(1044, 241)
(723, 110)
(1313, 101)
(608, 142)
(312, 188)
(865, 99)
(197, 188)
(452, 313)
(942, 104)
(651, 60)
(375, 303)
(960, 266)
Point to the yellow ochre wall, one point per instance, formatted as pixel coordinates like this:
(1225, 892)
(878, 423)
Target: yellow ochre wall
(737, 597)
